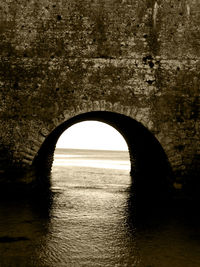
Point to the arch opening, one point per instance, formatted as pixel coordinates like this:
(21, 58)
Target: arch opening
(93, 135)
(91, 144)
(150, 170)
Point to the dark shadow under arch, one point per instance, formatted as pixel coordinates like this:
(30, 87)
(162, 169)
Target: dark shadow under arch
(150, 170)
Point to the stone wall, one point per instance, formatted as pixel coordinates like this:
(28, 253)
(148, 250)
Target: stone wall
(60, 58)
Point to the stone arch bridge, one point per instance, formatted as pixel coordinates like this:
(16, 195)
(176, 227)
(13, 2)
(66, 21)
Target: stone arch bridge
(132, 64)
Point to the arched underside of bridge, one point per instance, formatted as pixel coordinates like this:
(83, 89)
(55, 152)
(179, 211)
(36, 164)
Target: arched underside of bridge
(150, 169)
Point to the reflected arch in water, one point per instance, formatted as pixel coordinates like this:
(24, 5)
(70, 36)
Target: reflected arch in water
(150, 169)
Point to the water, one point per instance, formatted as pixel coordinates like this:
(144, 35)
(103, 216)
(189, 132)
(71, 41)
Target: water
(90, 220)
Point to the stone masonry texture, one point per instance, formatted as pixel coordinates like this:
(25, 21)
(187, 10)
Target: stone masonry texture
(140, 58)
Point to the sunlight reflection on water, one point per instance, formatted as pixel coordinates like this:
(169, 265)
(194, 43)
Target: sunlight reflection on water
(117, 165)
(85, 161)
(89, 220)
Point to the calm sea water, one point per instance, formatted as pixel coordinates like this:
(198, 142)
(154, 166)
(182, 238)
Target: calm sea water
(90, 220)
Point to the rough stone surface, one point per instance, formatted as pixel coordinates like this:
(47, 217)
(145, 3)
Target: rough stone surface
(139, 58)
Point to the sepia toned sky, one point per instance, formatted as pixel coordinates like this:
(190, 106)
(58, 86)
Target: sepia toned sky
(92, 135)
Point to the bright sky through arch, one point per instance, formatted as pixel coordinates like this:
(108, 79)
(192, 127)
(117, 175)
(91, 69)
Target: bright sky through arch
(92, 135)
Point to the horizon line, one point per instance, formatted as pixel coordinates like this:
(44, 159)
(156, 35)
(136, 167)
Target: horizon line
(96, 149)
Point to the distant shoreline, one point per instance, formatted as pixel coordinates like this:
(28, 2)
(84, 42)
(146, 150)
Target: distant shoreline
(87, 150)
